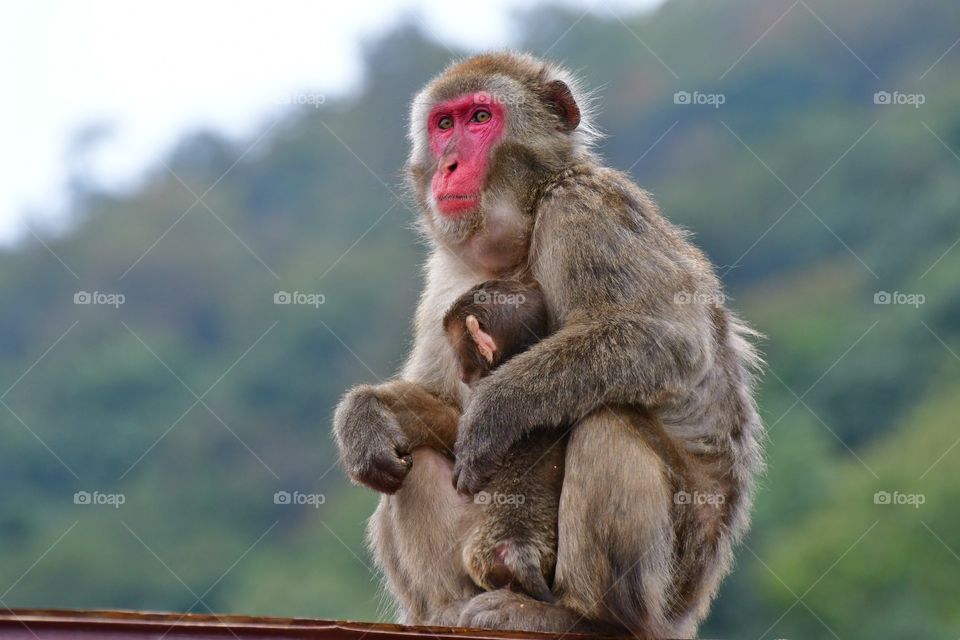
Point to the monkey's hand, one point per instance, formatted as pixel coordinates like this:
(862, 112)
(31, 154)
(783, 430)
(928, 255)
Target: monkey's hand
(373, 448)
(483, 439)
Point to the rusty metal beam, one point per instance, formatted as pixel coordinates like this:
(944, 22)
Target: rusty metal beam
(40, 624)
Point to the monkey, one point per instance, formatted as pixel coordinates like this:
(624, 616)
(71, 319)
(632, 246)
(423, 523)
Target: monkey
(645, 367)
(513, 541)
(493, 322)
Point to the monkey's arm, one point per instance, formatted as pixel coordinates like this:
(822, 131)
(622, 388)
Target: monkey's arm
(426, 420)
(377, 426)
(624, 337)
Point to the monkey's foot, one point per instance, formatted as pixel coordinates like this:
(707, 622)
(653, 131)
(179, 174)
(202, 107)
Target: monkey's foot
(499, 564)
(449, 614)
(504, 609)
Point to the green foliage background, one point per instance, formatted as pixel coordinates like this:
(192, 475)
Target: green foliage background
(810, 197)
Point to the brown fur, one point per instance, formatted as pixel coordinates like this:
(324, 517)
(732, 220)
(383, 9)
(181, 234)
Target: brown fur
(513, 313)
(644, 360)
(514, 544)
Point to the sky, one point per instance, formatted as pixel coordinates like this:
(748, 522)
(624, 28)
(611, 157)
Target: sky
(147, 72)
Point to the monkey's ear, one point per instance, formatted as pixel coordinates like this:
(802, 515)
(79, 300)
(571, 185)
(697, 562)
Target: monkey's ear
(561, 101)
(485, 344)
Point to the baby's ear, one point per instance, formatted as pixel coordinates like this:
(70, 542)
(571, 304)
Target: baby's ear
(484, 341)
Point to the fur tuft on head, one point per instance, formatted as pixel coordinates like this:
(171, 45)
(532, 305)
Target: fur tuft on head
(513, 71)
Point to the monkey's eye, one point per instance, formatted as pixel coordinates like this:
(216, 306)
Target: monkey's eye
(482, 115)
(445, 122)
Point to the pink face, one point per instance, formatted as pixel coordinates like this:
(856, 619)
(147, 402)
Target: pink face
(462, 131)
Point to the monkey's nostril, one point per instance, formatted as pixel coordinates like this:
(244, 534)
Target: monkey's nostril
(451, 167)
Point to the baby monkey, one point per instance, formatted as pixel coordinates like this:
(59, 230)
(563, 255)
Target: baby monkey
(514, 542)
(492, 322)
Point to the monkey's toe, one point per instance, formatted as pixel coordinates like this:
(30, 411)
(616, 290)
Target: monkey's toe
(504, 609)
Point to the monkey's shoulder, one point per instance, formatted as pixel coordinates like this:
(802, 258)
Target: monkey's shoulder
(594, 194)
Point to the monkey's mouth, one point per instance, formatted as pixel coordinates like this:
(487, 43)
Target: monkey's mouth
(457, 203)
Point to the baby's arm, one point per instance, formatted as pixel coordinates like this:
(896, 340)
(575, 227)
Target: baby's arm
(426, 419)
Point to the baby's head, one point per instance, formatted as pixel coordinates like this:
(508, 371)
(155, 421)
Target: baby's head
(492, 322)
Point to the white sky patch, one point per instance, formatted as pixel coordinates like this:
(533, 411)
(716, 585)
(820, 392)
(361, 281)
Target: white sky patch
(153, 71)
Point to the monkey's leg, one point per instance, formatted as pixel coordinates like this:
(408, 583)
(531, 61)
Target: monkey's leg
(616, 541)
(617, 536)
(515, 543)
(416, 536)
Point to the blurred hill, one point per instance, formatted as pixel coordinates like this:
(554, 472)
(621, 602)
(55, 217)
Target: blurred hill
(198, 398)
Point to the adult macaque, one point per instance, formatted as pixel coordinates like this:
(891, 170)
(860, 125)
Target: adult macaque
(644, 361)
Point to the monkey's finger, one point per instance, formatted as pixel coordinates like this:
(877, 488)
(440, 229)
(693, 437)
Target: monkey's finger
(382, 483)
(455, 478)
(467, 481)
(385, 473)
(404, 453)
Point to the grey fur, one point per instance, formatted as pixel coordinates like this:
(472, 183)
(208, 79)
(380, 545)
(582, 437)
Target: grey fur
(646, 362)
